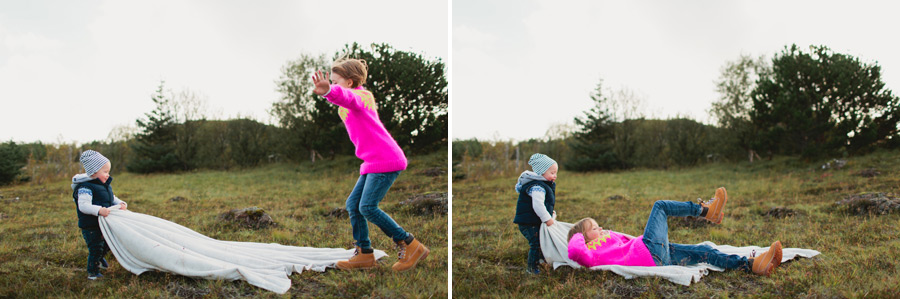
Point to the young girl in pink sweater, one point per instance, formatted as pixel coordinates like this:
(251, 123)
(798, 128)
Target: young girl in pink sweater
(590, 245)
(383, 160)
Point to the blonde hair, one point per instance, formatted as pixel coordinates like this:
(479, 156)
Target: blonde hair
(581, 226)
(352, 69)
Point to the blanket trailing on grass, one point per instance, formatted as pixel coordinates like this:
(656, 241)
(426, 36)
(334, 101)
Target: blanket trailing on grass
(142, 242)
(555, 248)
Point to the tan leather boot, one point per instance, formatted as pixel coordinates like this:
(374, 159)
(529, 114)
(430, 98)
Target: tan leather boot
(410, 255)
(766, 263)
(715, 206)
(358, 261)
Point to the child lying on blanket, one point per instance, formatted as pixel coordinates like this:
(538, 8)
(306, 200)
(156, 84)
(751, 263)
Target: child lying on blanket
(590, 245)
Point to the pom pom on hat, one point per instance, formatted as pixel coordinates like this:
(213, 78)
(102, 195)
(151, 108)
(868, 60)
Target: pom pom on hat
(540, 163)
(92, 161)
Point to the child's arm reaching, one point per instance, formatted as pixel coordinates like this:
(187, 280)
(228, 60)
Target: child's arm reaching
(86, 205)
(338, 95)
(320, 83)
(537, 203)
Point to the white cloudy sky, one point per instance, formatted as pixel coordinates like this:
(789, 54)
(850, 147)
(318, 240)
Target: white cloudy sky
(521, 66)
(73, 70)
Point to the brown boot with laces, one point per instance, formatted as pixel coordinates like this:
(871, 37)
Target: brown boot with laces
(766, 263)
(359, 260)
(715, 206)
(410, 254)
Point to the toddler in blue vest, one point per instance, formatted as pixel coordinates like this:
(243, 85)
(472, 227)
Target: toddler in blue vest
(93, 196)
(537, 196)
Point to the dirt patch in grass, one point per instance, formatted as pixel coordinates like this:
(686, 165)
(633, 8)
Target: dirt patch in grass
(177, 199)
(337, 213)
(251, 217)
(433, 172)
(870, 203)
(780, 212)
(428, 204)
(869, 173)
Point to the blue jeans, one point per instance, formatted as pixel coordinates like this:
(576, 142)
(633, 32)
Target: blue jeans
(656, 237)
(97, 248)
(362, 205)
(531, 233)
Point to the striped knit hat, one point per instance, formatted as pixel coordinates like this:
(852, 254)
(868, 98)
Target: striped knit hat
(92, 161)
(540, 163)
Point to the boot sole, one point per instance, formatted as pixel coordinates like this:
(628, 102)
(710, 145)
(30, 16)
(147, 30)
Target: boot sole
(721, 207)
(416, 262)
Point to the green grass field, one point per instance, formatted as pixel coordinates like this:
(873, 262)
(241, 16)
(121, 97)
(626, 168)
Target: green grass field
(42, 253)
(859, 253)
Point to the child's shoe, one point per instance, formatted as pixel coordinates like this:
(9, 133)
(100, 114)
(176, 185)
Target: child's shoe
(766, 263)
(715, 206)
(103, 264)
(410, 254)
(94, 276)
(359, 260)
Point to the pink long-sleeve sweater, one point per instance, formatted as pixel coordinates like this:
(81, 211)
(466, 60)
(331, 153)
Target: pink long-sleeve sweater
(614, 249)
(374, 145)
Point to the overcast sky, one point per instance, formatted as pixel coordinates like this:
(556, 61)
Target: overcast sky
(521, 66)
(73, 70)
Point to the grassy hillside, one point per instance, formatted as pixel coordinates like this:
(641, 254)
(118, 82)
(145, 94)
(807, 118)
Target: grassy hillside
(859, 253)
(42, 253)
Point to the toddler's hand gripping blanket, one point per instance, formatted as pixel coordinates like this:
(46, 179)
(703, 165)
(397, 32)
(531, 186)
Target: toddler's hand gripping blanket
(555, 248)
(142, 242)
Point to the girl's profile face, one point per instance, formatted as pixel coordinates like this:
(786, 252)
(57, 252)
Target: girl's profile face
(550, 174)
(593, 232)
(343, 82)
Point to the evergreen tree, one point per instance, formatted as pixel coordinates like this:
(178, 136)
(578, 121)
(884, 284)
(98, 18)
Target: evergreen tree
(12, 159)
(593, 140)
(154, 148)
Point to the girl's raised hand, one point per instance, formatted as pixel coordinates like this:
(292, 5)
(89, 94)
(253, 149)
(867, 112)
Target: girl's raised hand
(321, 82)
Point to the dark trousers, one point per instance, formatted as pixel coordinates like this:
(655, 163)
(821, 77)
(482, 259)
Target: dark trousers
(97, 248)
(531, 233)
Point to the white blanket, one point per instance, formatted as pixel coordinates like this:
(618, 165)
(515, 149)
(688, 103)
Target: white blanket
(142, 242)
(555, 247)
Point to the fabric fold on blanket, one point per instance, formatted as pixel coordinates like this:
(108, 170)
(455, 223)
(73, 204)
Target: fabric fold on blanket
(555, 248)
(142, 242)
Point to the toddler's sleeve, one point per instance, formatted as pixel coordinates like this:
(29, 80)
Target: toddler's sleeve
(537, 203)
(86, 202)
